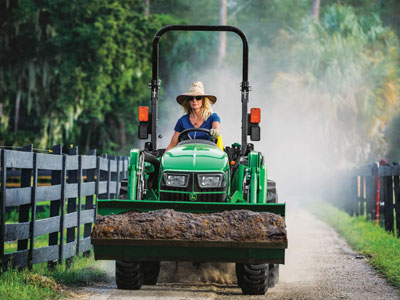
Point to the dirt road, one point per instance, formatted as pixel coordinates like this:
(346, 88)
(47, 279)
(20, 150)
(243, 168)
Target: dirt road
(319, 265)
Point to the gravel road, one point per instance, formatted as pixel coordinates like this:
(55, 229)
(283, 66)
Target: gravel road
(319, 265)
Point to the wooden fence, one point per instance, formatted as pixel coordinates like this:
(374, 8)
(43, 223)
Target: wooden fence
(76, 182)
(375, 192)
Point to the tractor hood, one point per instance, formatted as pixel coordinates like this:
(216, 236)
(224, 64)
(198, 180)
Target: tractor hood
(195, 158)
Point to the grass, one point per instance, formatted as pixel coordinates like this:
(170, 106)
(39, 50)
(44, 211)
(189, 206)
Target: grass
(381, 248)
(43, 283)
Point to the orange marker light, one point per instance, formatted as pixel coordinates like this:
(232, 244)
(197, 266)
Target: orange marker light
(143, 113)
(255, 115)
(233, 163)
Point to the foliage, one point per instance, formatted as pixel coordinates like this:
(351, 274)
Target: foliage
(344, 72)
(79, 69)
(393, 138)
(382, 248)
(263, 20)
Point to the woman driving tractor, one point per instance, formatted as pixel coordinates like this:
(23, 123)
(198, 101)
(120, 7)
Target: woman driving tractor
(198, 108)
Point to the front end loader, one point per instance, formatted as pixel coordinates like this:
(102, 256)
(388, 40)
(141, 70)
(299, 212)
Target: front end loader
(196, 176)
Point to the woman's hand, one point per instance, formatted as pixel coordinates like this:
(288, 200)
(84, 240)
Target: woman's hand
(214, 133)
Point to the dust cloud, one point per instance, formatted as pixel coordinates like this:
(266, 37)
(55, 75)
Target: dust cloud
(187, 272)
(294, 140)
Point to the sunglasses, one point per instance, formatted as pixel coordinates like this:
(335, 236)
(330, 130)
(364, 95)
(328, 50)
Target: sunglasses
(198, 98)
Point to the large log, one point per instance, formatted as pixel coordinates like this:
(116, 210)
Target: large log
(167, 224)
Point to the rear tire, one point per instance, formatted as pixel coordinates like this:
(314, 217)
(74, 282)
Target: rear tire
(123, 191)
(252, 279)
(273, 275)
(272, 196)
(150, 271)
(128, 275)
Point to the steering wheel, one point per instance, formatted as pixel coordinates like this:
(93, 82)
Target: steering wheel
(185, 133)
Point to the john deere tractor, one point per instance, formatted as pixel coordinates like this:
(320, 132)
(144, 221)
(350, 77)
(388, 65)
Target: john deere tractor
(195, 176)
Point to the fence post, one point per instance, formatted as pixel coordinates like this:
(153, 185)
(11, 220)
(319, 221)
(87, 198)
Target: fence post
(354, 196)
(376, 186)
(357, 196)
(382, 195)
(24, 209)
(362, 194)
(55, 204)
(103, 176)
(78, 234)
(118, 179)
(90, 177)
(388, 205)
(3, 208)
(108, 177)
(98, 179)
(33, 214)
(370, 199)
(62, 203)
(123, 168)
(71, 205)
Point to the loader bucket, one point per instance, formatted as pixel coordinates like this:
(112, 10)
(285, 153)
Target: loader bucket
(196, 251)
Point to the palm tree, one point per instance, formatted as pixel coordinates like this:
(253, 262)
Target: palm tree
(343, 74)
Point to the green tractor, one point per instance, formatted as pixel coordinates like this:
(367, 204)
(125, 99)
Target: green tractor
(195, 176)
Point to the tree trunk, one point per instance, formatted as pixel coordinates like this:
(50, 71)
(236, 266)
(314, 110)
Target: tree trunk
(17, 106)
(146, 7)
(315, 9)
(122, 134)
(223, 15)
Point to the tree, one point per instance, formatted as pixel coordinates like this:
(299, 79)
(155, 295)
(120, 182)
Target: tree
(223, 14)
(79, 70)
(345, 71)
(315, 9)
(146, 7)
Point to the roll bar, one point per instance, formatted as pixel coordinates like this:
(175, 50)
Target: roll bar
(155, 85)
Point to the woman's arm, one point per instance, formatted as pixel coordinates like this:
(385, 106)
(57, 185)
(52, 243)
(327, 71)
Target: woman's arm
(174, 141)
(216, 125)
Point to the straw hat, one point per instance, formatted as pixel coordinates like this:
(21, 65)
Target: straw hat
(197, 89)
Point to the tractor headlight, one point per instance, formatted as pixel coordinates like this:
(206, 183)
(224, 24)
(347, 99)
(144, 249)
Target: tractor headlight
(210, 180)
(176, 180)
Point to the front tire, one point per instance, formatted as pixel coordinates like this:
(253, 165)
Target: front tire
(252, 279)
(128, 275)
(150, 271)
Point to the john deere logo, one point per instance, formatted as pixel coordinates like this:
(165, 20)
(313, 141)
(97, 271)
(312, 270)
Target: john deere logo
(192, 197)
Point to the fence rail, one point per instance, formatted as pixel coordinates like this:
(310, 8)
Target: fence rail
(375, 190)
(76, 182)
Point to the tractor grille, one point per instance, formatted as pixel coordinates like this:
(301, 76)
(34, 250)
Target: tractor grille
(167, 196)
(192, 186)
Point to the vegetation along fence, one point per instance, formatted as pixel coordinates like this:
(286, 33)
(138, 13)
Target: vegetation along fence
(375, 192)
(47, 203)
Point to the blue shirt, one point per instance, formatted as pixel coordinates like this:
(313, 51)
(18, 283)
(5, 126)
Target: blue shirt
(184, 123)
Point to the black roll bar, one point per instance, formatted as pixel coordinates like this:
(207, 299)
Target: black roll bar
(155, 85)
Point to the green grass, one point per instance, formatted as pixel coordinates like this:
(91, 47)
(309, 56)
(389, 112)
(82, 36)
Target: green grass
(381, 247)
(43, 283)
